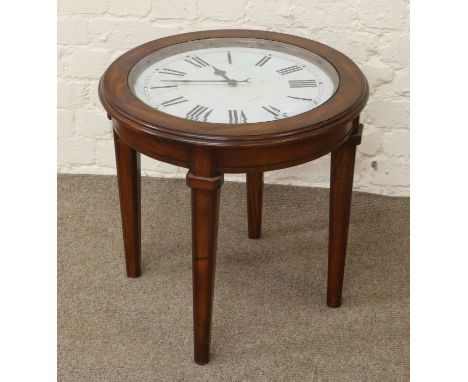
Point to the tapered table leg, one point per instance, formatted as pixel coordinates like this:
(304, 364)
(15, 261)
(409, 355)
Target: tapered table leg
(341, 188)
(205, 187)
(128, 174)
(254, 203)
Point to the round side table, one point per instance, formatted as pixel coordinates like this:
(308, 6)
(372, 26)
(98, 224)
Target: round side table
(208, 152)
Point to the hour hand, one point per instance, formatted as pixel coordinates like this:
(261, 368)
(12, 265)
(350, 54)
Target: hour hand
(222, 73)
(218, 71)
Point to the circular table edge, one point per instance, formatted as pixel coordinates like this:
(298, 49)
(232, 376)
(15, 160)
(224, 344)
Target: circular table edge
(160, 125)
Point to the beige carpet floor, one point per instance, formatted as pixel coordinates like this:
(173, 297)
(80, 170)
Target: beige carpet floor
(270, 320)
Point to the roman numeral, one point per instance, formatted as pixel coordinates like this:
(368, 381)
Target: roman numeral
(273, 110)
(196, 61)
(198, 112)
(174, 101)
(173, 72)
(263, 60)
(303, 99)
(229, 57)
(236, 117)
(302, 84)
(289, 69)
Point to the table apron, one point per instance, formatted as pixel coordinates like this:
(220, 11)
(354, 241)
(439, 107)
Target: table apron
(232, 159)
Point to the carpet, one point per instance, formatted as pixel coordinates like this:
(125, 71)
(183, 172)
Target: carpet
(270, 320)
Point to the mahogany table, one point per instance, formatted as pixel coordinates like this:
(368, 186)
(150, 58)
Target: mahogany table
(334, 129)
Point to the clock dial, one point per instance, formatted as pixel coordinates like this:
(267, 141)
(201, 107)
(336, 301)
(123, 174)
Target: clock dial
(233, 81)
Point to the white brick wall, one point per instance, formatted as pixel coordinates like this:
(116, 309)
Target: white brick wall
(374, 33)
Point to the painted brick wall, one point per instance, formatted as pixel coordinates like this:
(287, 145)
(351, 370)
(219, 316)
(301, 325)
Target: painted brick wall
(374, 33)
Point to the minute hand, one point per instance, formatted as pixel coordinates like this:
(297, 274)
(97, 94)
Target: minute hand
(188, 81)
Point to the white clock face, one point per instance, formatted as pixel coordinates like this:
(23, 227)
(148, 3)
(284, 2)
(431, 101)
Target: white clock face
(235, 81)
